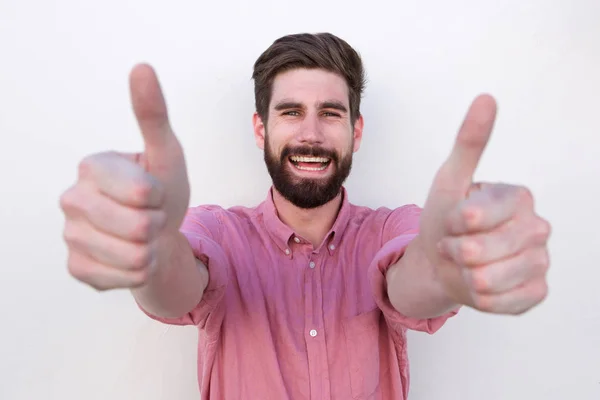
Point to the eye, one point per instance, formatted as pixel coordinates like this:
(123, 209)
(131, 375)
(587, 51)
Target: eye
(331, 114)
(291, 113)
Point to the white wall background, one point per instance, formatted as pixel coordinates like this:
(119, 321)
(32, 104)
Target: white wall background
(63, 94)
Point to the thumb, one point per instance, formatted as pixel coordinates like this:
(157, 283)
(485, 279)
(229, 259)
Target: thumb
(457, 171)
(149, 108)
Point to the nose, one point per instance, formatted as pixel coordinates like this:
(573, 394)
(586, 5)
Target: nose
(310, 131)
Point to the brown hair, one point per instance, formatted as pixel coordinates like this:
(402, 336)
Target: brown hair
(313, 51)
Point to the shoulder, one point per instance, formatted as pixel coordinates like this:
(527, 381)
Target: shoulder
(206, 213)
(384, 215)
(401, 221)
(217, 215)
(385, 221)
(407, 213)
(222, 213)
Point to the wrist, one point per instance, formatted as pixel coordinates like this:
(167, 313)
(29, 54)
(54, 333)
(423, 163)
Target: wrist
(167, 247)
(435, 266)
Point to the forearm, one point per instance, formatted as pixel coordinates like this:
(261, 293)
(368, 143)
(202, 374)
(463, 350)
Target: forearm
(413, 288)
(178, 281)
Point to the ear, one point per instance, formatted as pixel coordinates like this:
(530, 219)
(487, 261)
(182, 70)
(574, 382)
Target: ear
(358, 131)
(259, 131)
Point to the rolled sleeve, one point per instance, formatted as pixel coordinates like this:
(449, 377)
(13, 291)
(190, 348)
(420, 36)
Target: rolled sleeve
(389, 254)
(400, 228)
(202, 229)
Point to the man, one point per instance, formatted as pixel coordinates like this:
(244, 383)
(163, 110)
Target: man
(305, 296)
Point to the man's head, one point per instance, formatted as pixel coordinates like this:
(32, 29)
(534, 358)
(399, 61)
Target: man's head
(308, 89)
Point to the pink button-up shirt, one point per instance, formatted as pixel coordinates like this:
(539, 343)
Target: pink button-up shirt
(280, 319)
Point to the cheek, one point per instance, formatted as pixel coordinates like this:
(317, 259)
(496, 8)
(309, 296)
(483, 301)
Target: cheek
(279, 133)
(272, 148)
(349, 145)
(273, 145)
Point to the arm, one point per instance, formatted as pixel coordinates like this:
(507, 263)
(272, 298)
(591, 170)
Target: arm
(412, 287)
(485, 242)
(126, 224)
(178, 283)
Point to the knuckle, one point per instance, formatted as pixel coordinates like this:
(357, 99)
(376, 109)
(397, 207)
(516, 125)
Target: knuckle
(482, 303)
(469, 215)
(79, 270)
(518, 310)
(467, 250)
(75, 270)
(90, 165)
(70, 200)
(76, 200)
(541, 259)
(480, 281)
(71, 233)
(141, 191)
(87, 165)
(100, 287)
(524, 195)
(141, 257)
(140, 278)
(543, 291)
(143, 226)
(65, 200)
(542, 229)
(87, 272)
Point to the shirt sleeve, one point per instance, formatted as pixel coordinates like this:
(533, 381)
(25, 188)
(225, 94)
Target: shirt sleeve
(400, 228)
(203, 229)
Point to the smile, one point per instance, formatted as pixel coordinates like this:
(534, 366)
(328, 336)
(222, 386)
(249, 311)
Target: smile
(305, 163)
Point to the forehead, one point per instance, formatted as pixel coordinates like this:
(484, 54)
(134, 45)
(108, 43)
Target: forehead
(309, 86)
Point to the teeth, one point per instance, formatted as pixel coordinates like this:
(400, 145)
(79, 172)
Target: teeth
(309, 159)
(311, 168)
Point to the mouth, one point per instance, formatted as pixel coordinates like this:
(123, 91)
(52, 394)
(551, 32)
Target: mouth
(310, 164)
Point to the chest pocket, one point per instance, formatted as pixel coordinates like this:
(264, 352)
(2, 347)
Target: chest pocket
(362, 341)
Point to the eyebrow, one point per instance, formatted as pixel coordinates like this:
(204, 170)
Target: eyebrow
(330, 104)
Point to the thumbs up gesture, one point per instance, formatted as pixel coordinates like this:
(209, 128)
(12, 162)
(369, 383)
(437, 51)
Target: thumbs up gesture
(485, 241)
(122, 204)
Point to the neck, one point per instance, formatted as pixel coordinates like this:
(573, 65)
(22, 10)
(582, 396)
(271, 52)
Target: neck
(312, 224)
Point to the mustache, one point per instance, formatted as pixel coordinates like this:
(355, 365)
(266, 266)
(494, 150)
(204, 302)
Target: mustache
(308, 151)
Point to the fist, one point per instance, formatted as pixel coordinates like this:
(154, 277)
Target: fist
(498, 244)
(122, 205)
(486, 242)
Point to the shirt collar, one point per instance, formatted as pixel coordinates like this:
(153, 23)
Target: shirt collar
(281, 234)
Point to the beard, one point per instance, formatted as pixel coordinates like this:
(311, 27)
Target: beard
(307, 193)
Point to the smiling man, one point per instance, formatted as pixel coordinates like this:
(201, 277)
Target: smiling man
(306, 295)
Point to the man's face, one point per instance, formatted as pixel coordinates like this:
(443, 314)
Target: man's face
(309, 138)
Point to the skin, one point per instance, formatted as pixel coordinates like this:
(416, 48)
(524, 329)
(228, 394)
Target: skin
(480, 245)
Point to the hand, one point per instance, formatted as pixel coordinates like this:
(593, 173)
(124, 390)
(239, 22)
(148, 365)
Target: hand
(485, 241)
(122, 204)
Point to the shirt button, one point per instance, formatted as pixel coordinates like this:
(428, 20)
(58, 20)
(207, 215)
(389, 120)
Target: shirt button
(297, 239)
(287, 251)
(311, 264)
(313, 333)
(332, 247)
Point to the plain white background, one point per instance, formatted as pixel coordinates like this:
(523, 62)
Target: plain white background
(64, 94)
